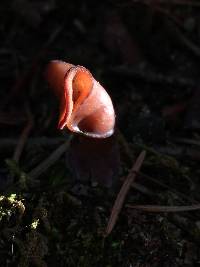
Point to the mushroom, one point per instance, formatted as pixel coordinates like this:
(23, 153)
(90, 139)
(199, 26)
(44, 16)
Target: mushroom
(85, 106)
(86, 109)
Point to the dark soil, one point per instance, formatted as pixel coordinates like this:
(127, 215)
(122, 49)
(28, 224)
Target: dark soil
(54, 213)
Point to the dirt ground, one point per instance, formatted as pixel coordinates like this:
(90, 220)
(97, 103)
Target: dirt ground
(56, 192)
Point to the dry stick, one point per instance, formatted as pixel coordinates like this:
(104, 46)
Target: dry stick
(123, 192)
(156, 181)
(182, 196)
(21, 83)
(143, 189)
(155, 208)
(11, 119)
(150, 76)
(180, 150)
(43, 166)
(129, 157)
(140, 188)
(32, 142)
(129, 154)
(187, 42)
(195, 49)
(180, 2)
(125, 147)
(169, 3)
(23, 138)
(128, 151)
(22, 141)
(186, 141)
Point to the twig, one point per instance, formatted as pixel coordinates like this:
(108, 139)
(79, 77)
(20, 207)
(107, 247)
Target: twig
(155, 208)
(27, 76)
(32, 142)
(159, 154)
(182, 197)
(186, 42)
(124, 147)
(167, 2)
(159, 182)
(142, 189)
(24, 136)
(181, 151)
(43, 166)
(179, 35)
(188, 227)
(186, 141)
(152, 77)
(123, 192)
(163, 185)
(11, 119)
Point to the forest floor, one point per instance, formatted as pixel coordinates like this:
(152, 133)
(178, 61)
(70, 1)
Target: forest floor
(147, 56)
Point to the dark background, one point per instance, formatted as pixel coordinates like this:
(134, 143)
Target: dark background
(146, 54)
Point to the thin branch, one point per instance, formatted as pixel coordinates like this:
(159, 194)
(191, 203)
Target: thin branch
(186, 141)
(151, 77)
(23, 137)
(163, 185)
(155, 208)
(43, 166)
(194, 48)
(12, 118)
(26, 78)
(123, 193)
(167, 2)
(32, 141)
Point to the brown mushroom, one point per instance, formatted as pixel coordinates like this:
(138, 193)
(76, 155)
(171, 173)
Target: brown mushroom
(85, 106)
(86, 109)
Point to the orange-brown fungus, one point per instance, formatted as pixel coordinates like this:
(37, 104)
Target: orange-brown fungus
(82, 84)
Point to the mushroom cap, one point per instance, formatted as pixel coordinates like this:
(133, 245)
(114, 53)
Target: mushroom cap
(85, 106)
